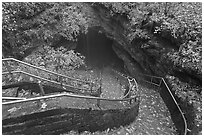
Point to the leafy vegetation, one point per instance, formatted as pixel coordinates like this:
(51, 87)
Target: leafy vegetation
(188, 59)
(59, 60)
(30, 29)
(27, 26)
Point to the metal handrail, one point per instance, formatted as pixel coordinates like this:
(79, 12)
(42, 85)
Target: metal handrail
(44, 79)
(177, 106)
(128, 78)
(79, 96)
(59, 95)
(152, 83)
(68, 95)
(151, 76)
(45, 70)
(130, 89)
(162, 79)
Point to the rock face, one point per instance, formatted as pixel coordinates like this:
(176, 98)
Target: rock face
(140, 55)
(148, 55)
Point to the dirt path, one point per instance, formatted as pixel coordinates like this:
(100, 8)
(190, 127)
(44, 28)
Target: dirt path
(153, 119)
(111, 87)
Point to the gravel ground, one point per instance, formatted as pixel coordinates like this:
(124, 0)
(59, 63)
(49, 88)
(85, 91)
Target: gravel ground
(111, 87)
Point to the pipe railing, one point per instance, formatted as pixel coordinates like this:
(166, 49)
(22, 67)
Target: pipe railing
(135, 97)
(131, 86)
(62, 80)
(169, 91)
(44, 79)
(69, 95)
(160, 79)
(45, 70)
(60, 95)
(98, 99)
(12, 98)
(152, 79)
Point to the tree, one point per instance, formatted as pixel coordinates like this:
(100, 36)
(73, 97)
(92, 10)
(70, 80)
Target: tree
(27, 26)
(57, 60)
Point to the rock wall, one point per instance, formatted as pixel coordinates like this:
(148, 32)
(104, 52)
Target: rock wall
(140, 55)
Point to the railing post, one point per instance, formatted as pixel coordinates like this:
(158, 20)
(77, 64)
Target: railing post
(98, 103)
(17, 91)
(91, 84)
(60, 80)
(159, 85)
(41, 88)
(151, 79)
(130, 101)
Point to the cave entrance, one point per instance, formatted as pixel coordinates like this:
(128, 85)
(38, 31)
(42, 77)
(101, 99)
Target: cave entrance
(97, 49)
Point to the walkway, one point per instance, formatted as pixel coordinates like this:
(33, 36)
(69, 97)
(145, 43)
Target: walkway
(111, 86)
(153, 119)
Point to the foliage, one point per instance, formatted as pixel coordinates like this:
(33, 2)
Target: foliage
(28, 25)
(189, 58)
(179, 22)
(59, 60)
(16, 19)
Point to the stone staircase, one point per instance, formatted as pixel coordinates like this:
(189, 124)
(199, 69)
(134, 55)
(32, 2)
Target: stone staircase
(58, 113)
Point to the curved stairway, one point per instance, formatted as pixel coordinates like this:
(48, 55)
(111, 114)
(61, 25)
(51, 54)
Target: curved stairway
(31, 115)
(113, 112)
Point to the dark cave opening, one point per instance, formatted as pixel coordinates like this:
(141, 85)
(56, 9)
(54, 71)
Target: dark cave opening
(97, 49)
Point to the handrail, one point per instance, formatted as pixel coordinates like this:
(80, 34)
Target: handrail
(86, 97)
(68, 95)
(48, 71)
(162, 79)
(136, 84)
(130, 89)
(121, 74)
(127, 94)
(151, 76)
(130, 85)
(44, 79)
(58, 95)
(177, 106)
